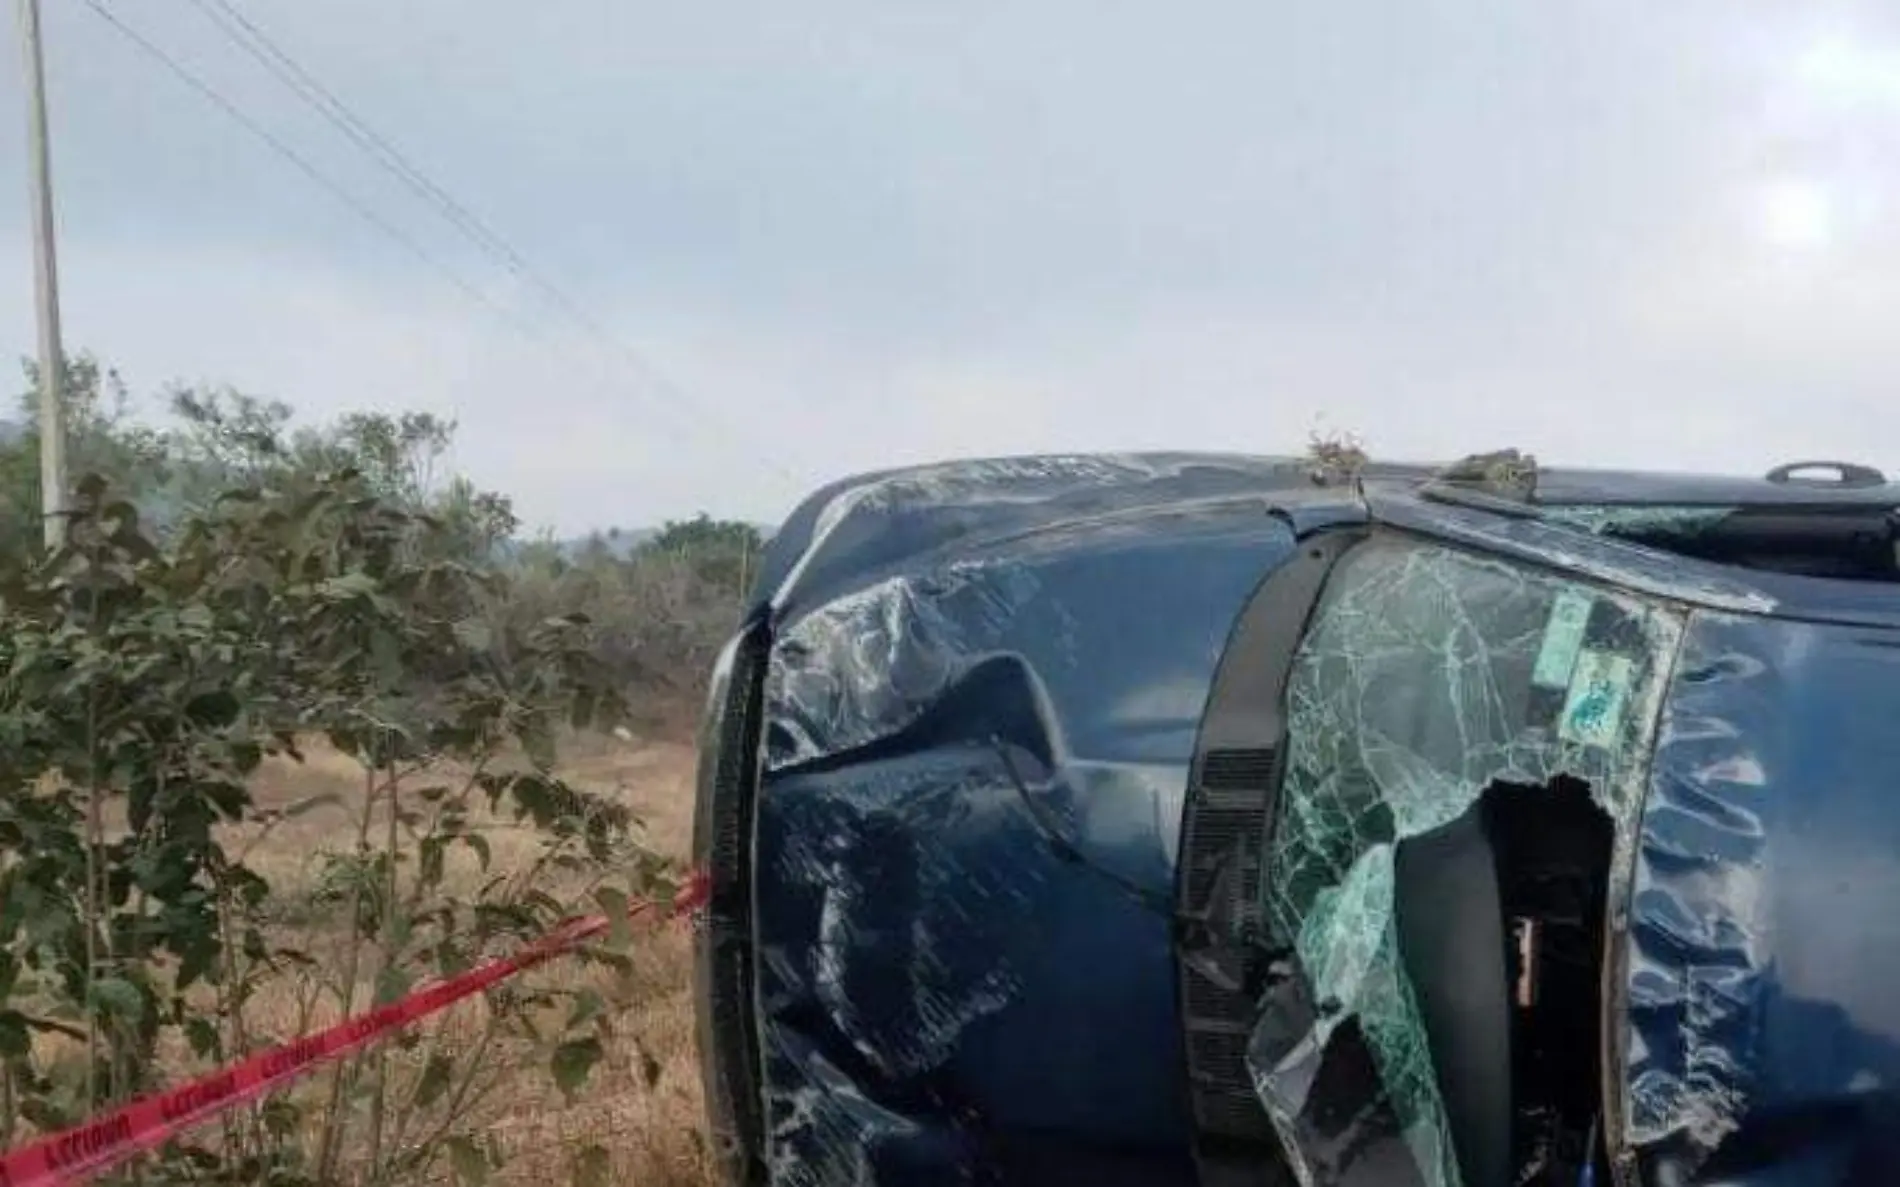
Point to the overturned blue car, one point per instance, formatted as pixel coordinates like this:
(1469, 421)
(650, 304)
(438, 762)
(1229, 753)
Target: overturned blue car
(1181, 820)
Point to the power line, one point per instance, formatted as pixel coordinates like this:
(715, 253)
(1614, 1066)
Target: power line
(362, 209)
(284, 67)
(367, 139)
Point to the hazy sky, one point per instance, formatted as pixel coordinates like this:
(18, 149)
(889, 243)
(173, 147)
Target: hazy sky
(858, 232)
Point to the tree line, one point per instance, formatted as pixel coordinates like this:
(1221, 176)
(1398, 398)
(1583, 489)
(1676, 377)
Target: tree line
(659, 607)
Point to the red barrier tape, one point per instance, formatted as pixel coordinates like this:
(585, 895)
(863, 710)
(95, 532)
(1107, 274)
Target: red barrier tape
(75, 1154)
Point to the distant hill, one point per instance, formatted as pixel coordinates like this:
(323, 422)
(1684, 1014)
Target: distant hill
(619, 542)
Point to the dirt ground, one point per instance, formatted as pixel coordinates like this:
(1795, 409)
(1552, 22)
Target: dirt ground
(654, 1134)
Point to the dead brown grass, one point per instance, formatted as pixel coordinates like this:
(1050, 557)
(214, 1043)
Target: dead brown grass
(654, 1134)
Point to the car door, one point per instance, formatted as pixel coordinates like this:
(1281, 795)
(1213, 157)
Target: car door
(1447, 754)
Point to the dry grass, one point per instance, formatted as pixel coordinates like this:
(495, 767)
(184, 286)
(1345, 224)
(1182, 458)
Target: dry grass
(654, 1134)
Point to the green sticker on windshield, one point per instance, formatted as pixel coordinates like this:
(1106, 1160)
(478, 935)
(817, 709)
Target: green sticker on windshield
(1563, 638)
(1599, 693)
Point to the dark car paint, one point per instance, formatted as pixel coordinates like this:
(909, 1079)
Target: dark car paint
(957, 944)
(1763, 982)
(941, 998)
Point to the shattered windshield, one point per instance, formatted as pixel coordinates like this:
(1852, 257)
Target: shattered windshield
(1427, 677)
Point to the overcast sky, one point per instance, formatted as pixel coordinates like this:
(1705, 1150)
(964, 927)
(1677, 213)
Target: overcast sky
(849, 233)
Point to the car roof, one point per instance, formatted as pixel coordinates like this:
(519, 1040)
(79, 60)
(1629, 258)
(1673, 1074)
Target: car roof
(882, 517)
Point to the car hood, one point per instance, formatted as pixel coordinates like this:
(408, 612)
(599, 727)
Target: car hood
(940, 988)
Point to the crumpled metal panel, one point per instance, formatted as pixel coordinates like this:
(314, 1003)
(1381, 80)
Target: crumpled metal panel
(1428, 675)
(858, 532)
(1763, 1040)
(942, 998)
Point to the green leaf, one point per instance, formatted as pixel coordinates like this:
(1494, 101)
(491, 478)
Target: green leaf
(538, 742)
(202, 1034)
(385, 653)
(213, 709)
(281, 1117)
(573, 1062)
(468, 1161)
(450, 958)
(436, 1075)
(355, 583)
(619, 962)
(613, 904)
(587, 1007)
(592, 1166)
(230, 799)
(15, 1040)
(254, 945)
(392, 984)
(246, 756)
(430, 861)
(119, 997)
(46, 1115)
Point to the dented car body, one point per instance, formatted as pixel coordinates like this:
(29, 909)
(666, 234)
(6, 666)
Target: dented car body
(1190, 819)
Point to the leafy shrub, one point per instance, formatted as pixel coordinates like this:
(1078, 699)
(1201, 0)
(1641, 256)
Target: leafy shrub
(142, 683)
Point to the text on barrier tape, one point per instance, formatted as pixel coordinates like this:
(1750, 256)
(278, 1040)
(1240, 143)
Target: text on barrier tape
(73, 1155)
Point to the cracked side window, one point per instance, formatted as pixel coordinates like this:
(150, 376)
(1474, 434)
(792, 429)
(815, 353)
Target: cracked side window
(1431, 684)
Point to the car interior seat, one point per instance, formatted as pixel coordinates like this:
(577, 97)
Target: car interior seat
(1451, 937)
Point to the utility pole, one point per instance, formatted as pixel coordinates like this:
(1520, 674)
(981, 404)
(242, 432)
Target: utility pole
(46, 286)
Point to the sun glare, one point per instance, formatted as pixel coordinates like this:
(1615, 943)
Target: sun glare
(1851, 72)
(1796, 213)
